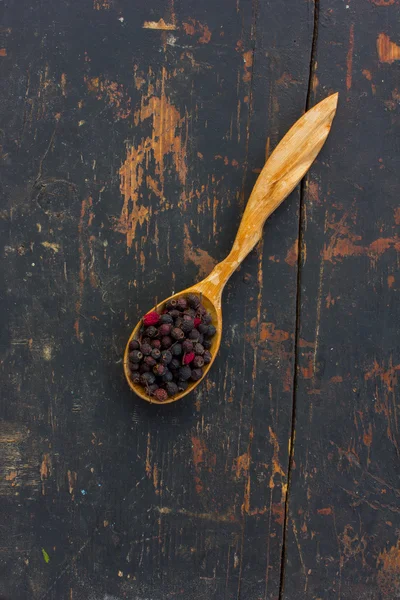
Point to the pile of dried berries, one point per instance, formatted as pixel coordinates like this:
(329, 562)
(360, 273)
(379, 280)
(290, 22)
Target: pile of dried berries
(172, 348)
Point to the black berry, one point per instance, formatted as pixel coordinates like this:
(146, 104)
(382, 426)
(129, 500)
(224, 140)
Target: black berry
(171, 388)
(145, 349)
(207, 357)
(196, 374)
(176, 349)
(185, 373)
(198, 362)
(151, 331)
(211, 331)
(135, 356)
(134, 345)
(171, 304)
(177, 333)
(198, 349)
(166, 357)
(147, 378)
(166, 341)
(166, 319)
(182, 304)
(187, 346)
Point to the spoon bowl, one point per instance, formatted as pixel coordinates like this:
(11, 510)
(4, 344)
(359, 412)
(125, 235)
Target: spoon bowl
(283, 170)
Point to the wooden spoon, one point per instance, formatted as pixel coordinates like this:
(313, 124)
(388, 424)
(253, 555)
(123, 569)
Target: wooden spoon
(283, 170)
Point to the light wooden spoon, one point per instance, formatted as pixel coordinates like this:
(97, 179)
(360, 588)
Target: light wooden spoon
(283, 170)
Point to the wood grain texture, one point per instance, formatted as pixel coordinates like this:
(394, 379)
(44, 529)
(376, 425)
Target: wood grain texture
(343, 522)
(132, 134)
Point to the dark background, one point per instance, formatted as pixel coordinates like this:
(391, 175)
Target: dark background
(131, 135)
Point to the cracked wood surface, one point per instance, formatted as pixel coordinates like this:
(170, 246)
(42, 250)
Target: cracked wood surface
(131, 136)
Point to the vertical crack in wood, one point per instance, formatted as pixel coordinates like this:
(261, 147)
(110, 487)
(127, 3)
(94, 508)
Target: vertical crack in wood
(298, 307)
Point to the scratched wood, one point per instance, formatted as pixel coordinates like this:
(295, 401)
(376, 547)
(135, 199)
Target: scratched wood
(132, 133)
(343, 522)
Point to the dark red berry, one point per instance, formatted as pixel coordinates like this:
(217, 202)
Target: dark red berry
(166, 357)
(194, 335)
(151, 331)
(134, 345)
(171, 388)
(151, 318)
(147, 378)
(187, 325)
(156, 353)
(197, 322)
(196, 374)
(144, 368)
(207, 357)
(135, 356)
(188, 358)
(177, 333)
(161, 395)
(165, 329)
(134, 367)
(166, 341)
(187, 346)
(207, 344)
(185, 373)
(203, 328)
(159, 369)
(193, 301)
(166, 319)
(171, 304)
(211, 331)
(176, 349)
(182, 385)
(198, 362)
(145, 349)
(155, 343)
(149, 360)
(182, 304)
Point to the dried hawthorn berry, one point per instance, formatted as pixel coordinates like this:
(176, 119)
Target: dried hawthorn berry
(188, 358)
(185, 373)
(145, 340)
(174, 313)
(155, 343)
(187, 345)
(151, 331)
(166, 342)
(198, 362)
(177, 333)
(152, 388)
(166, 319)
(190, 312)
(156, 353)
(160, 395)
(182, 385)
(176, 349)
(198, 349)
(182, 304)
(207, 344)
(196, 374)
(166, 357)
(178, 322)
(151, 318)
(159, 369)
(187, 325)
(193, 300)
(165, 329)
(147, 378)
(134, 345)
(149, 360)
(207, 318)
(145, 349)
(207, 357)
(194, 335)
(135, 377)
(211, 331)
(171, 388)
(203, 328)
(171, 304)
(144, 368)
(134, 366)
(135, 356)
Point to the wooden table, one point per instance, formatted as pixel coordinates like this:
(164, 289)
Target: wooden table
(131, 135)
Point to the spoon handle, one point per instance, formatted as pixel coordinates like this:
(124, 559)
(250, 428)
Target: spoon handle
(286, 166)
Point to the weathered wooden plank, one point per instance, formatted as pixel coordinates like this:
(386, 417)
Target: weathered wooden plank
(131, 137)
(342, 528)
